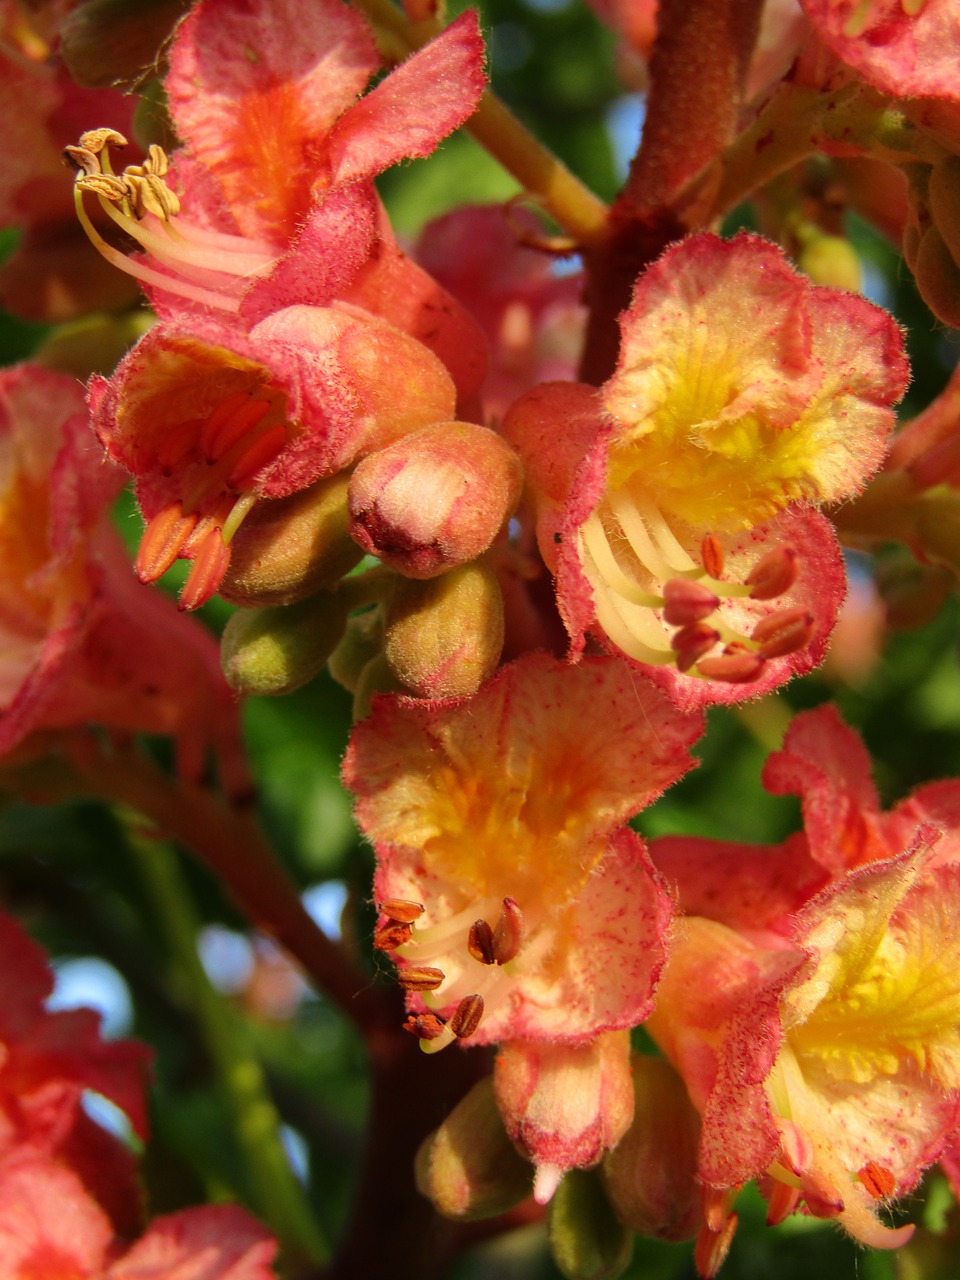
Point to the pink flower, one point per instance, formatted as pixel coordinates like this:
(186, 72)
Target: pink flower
(518, 905)
(79, 646)
(677, 505)
(210, 420)
(49, 1227)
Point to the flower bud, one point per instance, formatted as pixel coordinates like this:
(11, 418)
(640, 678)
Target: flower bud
(651, 1175)
(362, 641)
(586, 1240)
(290, 548)
(468, 1168)
(831, 261)
(943, 195)
(937, 528)
(564, 1105)
(376, 677)
(938, 277)
(444, 636)
(278, 649)
(434, 499)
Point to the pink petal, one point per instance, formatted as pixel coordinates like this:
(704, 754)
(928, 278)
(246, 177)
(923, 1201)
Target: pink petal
(216, 1242)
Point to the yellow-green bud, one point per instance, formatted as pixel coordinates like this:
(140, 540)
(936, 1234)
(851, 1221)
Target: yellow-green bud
(586, 1239)
(278, 649)
(651, 1176)
(289, 548)
(943, 195)
(361, 643)
(938, 277)
(376, 677)
(831, 261)
(444, 636)
(469, 1168)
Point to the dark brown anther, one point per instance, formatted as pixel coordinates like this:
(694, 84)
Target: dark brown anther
(401, 910)
(736, 665)
(391, 936)
(508, 935)
(466, 1017)
(711, 555)
(425, 1026)
(773, 574)
(692, 643)
(686, 602)
(878, 1180)
(480, 942)
(420, 978)
(784, 632)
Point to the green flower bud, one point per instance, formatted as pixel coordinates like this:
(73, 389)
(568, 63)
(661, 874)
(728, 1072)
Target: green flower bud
(276, 650)
(361, 643)
(586, 1240)
(469, 1168)
(289, 548)
(444, 636)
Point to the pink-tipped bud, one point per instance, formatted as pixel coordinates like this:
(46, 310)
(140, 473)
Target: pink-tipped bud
(565, 1105)
(773, 574)
(686, 602)
(692, 643)
(784, 632)
(435, 499)
(735, 665)
(443, 637)
(468, 1168)
(651, 1175)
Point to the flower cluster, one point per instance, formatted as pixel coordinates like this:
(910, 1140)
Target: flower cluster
(535, 523)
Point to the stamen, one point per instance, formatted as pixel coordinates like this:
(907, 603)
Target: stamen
(878, 1180)
(711, 553)
(783, 632)
(238, 513)
(736, 665)
(693, 643)
(229, 422)
(261, 450)
(782, 1201)
(480, 942)
(466, 1018)
(401, 909)
(773, 574)
(391, 936)
(686, 601)
(177, 444)
(821, 1197)
(425, 1025)
(598, 544)
(210, 563)
(164, 538)
(420, 978)
(508, 935)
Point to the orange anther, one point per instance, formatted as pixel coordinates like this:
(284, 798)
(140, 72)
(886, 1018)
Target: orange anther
(711, 555)
(163, 540)
(210, 563)
(401, 910)
(466, 1017)
(773, 574)
(784, 632)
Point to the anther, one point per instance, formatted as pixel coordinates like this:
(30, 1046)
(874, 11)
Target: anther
(773, 574)
(480, 942)
(692, 643)
(711, 555)
(401, 909)
(210, 562)
(466, 1017)
(420, 978)
(164, 538)
(878, 1180)
(391, 936)
(821, 1197)
(736, 665)
(426, 1026)
(508, 935)
(686, 601)
(784, 632)
(96, 139)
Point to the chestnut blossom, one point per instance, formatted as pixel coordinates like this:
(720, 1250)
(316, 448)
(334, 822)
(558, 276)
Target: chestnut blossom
(270, 201)
(812, 1000)
(517, 904)
(210, 420)
(81, 644)
(677, 504)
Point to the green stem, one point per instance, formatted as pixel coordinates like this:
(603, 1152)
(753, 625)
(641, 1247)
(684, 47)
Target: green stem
(545, 178)
(278, 1196)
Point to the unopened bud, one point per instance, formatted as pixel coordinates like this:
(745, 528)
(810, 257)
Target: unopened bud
(912, 593)
(938, 277)
(831, 261)
(289, 548)
(278, 649)
(943, 195)
(586, 1240)
(468, 1168)
(937, 528)
(376, 677)
(435, 499)
(444, 636)
(361, 643)
(651, 1176)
